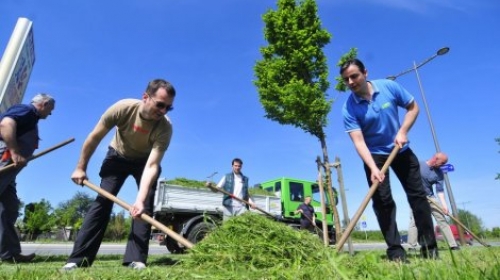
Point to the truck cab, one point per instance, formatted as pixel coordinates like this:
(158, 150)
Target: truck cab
(292, 193)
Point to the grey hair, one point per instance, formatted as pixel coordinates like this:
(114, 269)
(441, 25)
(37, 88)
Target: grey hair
(43, 98)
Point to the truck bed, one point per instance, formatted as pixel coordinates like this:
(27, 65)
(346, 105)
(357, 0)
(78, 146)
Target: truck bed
(177, 199)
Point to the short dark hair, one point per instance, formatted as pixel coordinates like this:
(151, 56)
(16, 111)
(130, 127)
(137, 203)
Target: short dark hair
(156, 84)
(237, 160)
(353, 61)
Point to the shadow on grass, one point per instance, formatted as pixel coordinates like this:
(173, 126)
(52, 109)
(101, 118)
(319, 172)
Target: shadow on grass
(164, 261)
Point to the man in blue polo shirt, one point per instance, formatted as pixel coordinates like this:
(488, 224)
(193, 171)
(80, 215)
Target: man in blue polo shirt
(371, 119)
(18, 141)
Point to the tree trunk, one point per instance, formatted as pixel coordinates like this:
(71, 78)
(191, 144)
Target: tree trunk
(328, 173)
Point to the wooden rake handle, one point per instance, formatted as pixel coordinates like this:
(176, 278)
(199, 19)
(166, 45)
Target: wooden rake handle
(12, 165)
(312, 223)
(365, 202)
(210, 186)
(143, 216)
(431, 201)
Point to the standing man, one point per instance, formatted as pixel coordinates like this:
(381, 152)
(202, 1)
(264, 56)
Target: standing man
(237, 184)
(307, 215)
(371, 119)
(18, 140)
(142, 136)
(433, 175)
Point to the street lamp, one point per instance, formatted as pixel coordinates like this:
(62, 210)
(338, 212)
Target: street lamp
(441, 51)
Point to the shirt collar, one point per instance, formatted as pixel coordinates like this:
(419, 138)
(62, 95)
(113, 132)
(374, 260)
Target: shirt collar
(35, 110)
(358, 99)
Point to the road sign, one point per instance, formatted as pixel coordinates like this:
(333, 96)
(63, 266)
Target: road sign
(363, 224)
(447, 168)
(16, 64)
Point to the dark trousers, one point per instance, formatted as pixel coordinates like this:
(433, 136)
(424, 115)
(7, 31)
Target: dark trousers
(407, 169)
(10, 245)
(114, 171)
(306, 224)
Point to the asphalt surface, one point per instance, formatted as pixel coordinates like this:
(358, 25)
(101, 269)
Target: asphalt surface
(56, 249)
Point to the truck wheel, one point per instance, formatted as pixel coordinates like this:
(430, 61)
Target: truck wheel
(173, 246)
(198, 231)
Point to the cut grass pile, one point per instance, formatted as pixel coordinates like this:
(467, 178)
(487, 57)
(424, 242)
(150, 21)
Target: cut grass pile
(253, 242)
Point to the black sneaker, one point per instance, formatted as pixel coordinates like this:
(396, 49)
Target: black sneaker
(400, 259)
(19, 258)
(429, 253)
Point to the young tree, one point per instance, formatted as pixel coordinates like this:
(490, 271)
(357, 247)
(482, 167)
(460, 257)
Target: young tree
(495, 232)
(70, 213)
(473, 222)
(118, 227)
(38, 218)
(292, 76)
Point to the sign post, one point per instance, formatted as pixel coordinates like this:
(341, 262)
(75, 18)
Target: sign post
(16, 64)
(363, 225)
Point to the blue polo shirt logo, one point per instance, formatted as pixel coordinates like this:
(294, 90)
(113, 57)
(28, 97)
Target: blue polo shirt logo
(386, 105)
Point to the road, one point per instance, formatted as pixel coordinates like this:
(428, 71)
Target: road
(51, 249)
(155, 249)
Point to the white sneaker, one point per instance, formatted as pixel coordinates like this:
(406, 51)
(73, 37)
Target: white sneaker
(69, 267)
(137, 265)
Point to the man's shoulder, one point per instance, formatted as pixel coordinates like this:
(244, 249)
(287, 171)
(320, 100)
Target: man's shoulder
(123, 106)
(18, 110)
(126, 103)
(166, 122)
(349, 103)
(383, 82)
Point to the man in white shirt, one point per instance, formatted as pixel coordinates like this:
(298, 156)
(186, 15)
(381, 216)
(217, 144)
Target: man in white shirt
(237, 184)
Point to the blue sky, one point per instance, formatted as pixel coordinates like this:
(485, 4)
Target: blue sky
(90, 54)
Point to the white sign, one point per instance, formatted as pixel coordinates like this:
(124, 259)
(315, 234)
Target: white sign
(16, 64)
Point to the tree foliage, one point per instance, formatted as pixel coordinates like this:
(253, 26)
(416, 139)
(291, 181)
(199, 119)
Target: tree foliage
(70, 213)
(351, 54)
(38, 217)
(495, 232)
(118, 227)
(473, 222)
(292, 76)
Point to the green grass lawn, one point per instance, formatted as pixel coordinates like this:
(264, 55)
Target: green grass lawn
(469, 263)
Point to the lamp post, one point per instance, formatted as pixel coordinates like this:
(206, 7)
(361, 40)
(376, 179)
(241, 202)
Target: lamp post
(441, 51)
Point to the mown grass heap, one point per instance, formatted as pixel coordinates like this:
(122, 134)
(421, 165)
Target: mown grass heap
(257, 242)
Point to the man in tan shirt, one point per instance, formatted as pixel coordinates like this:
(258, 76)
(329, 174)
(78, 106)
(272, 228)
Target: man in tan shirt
(143, 134)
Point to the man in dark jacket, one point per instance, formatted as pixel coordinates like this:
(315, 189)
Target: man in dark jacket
(18, 141)
(307, 217)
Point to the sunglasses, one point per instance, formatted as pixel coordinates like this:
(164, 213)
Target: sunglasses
(161, 105)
